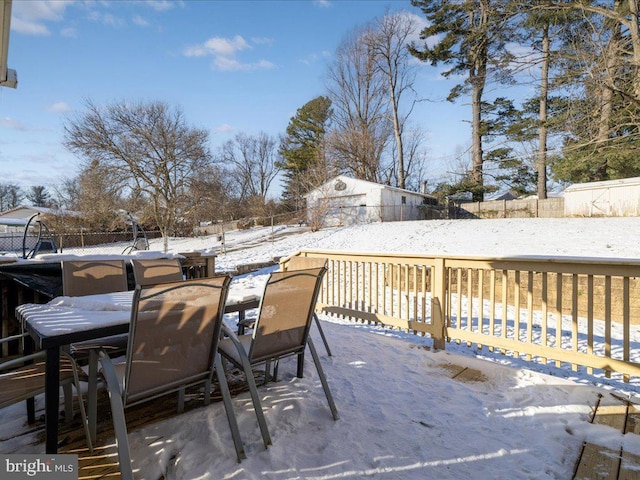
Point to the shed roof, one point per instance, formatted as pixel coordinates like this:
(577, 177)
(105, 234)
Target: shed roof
(622, 182)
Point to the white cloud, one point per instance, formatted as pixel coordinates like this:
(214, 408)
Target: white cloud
(59, 107)
(226, 47)
(263, 41)
(224, 128)
(225, 64)
(315, 57)
(140, 21)
(163, 5)
(263, 64)
(225, 51)
(195, 51)
(31, 17)
(322, 3)
(111, 20)
(69, 32)
(30, 28)
(12, 123)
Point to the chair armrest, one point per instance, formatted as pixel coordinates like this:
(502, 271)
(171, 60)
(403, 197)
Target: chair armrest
(230, 333)
(13, 337)
(242, 353)
(108, 372)
(20, 361)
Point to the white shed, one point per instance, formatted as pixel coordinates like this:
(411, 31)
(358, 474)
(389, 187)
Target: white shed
(344, 201)
(611, 198)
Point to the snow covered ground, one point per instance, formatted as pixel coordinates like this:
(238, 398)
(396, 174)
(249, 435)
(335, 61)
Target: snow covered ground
(402, 416)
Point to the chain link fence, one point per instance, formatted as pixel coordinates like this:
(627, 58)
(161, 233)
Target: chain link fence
(81, 242)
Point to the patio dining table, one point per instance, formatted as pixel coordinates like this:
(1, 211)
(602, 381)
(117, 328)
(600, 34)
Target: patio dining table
(67, 320)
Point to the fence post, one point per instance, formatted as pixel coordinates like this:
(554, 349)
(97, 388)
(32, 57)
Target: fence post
(438, 302)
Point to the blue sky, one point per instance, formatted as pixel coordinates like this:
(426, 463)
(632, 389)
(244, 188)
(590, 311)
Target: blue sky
(232, 66)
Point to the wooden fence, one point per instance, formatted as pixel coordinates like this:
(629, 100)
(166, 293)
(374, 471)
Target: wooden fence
(576, 312)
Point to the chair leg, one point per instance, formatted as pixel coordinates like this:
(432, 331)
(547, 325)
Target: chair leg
(255, 398)
(117, 412)
(300, 370)
(324, 339)
(207, 392)
(31, 411)
(68, 403)
(83, 412)
(267, 372)
(323, 380)
(251, 383)
(228, 407)
(181, 393)
(92, 394)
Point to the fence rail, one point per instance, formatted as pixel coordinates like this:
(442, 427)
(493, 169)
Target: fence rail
(577, 312)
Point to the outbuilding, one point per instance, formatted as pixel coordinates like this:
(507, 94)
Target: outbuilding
(611, 198)
(345, 201)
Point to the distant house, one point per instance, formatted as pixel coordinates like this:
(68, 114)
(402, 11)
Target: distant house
(611, 198)
(344, 201)
(17, 218)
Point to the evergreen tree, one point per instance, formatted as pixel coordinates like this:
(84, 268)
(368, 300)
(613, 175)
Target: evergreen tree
(602, 134)
(10, 196)
(470, 37)
(39, 196)
(303, 150)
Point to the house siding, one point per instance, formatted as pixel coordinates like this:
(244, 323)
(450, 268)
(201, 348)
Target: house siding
(612, 198)
(358, 201)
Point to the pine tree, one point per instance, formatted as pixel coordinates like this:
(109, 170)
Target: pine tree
(303, 151)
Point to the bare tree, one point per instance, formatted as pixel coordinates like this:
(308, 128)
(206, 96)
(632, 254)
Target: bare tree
(150, 145)
(388, 41)
(359, 98)
(96, 194)
(253, 162)
(212, 195)
(415, 158)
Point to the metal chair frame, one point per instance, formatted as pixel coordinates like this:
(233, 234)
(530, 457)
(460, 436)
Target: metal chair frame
(278, 333)
(155, 313)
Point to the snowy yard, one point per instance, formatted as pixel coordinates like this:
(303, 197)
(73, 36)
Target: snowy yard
(402, 415)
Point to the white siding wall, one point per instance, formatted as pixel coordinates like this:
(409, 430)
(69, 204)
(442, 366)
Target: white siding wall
(616, 198)
(362, 202)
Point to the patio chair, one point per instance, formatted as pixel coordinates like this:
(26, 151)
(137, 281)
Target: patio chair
(173, 341)
(22, 378)
(90, 277)
(296, 263)
(282, 328)
(153, 271)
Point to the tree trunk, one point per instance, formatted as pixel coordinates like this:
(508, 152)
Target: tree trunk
(541, 164)
(477, 79)
(165, 239)
(634, 31)
(476, 134)
(398, 133)
(606, 107)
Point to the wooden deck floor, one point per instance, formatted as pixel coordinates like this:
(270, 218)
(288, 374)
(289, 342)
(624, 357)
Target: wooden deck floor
(594, 463)
(103, 462)
(600, 463)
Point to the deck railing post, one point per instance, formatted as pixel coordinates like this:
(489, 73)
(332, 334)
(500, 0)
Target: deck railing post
(438, 299)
